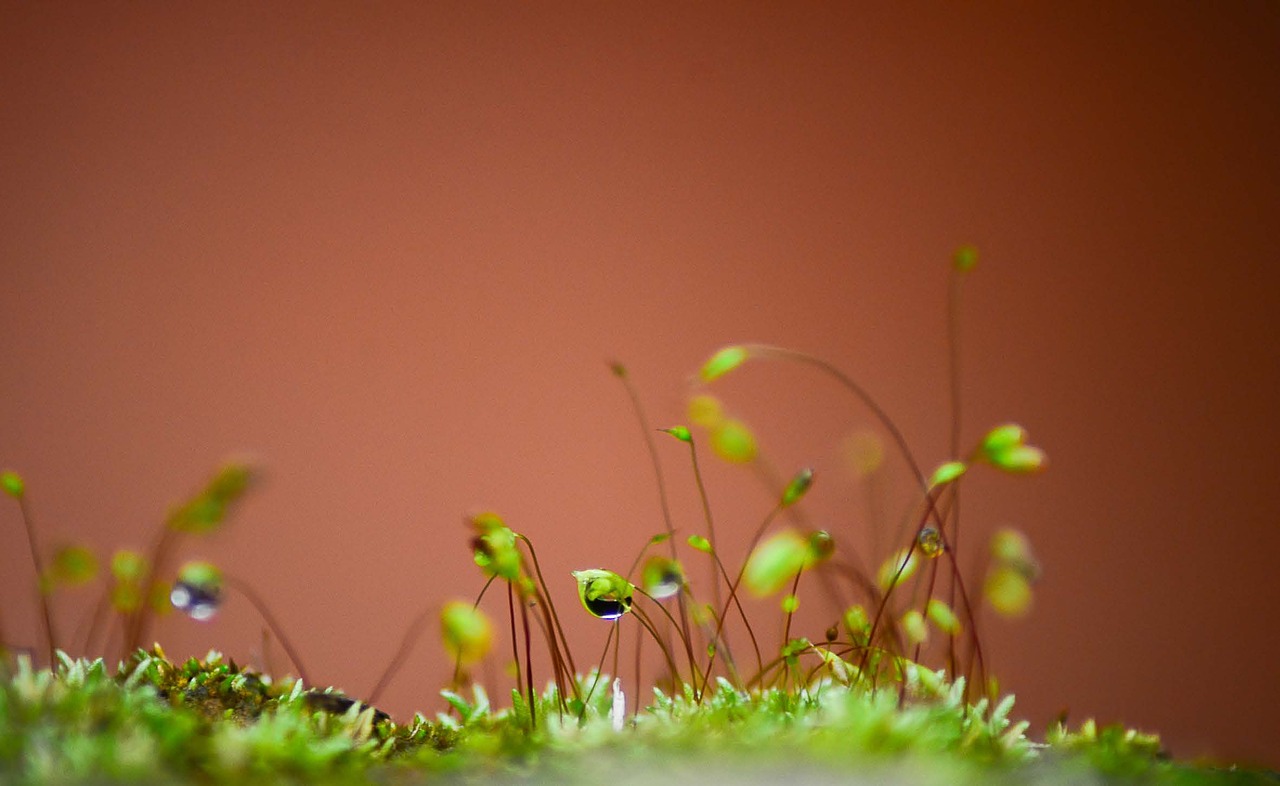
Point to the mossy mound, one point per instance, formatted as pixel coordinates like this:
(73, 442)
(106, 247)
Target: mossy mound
(210, 721)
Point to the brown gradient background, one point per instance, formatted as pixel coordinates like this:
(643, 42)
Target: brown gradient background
(388, 248)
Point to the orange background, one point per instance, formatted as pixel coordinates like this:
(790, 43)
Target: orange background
(389, 248)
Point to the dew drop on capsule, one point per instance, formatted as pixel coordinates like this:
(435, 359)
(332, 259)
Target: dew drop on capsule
(198, 603)
(930, 542)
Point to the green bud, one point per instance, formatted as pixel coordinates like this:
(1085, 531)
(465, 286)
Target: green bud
(465, 632)
(126, 597)
(700, 543)
(495, 552)
(723, 361)
(1008, 591)
(74, 565)
(942, 616)
(200, 574)
(705, 410)
(205, 512)
(821, 546)
(897, 569)
(1019, 459)
(856, 622)
(797, 487)
(733, 441)
(914, 628)
(790, 603)
(12, 484)
(947, 472)
(1002, 438)
(1011, 549)
(965, 258)
(679, 432)
(775, 562)
(128, 565)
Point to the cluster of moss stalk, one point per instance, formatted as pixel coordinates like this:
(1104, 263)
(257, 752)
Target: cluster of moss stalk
(900, 666)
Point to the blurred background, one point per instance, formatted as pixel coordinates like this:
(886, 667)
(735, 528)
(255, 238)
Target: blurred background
(388, 249)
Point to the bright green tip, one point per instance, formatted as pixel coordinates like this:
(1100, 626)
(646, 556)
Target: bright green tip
(723, 361)
(679, 432)
(74, 565)
(1008, 592)
(12, 484)
(733, 441)
(790, 603)
(200, 574)
(465, 631)
(127, 565)
(948, 472)
(897, 569)
(914, 628)
(776, 562)
(941, 615)
(1003, 437)
(700, 543)
(965, 259)
(1020, 459)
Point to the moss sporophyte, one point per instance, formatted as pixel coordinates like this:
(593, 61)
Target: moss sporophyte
(897, 668)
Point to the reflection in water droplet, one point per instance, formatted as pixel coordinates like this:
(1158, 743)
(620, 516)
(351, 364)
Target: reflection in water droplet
(930, 542)
(608, 608)
(662, 577)
(198, 603)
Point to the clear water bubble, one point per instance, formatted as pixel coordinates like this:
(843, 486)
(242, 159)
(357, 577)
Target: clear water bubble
(608, 608)
(930, 542)
(198, 602)
(662, 577)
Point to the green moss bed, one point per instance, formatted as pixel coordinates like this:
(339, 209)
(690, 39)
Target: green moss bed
(212, 721)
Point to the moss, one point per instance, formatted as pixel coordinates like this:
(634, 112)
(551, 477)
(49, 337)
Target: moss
(210, 721)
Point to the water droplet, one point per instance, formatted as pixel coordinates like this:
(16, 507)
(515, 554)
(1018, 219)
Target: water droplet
(197, 602)
(608, 608)
(662, 577)
(930, 542)
(603, 593)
